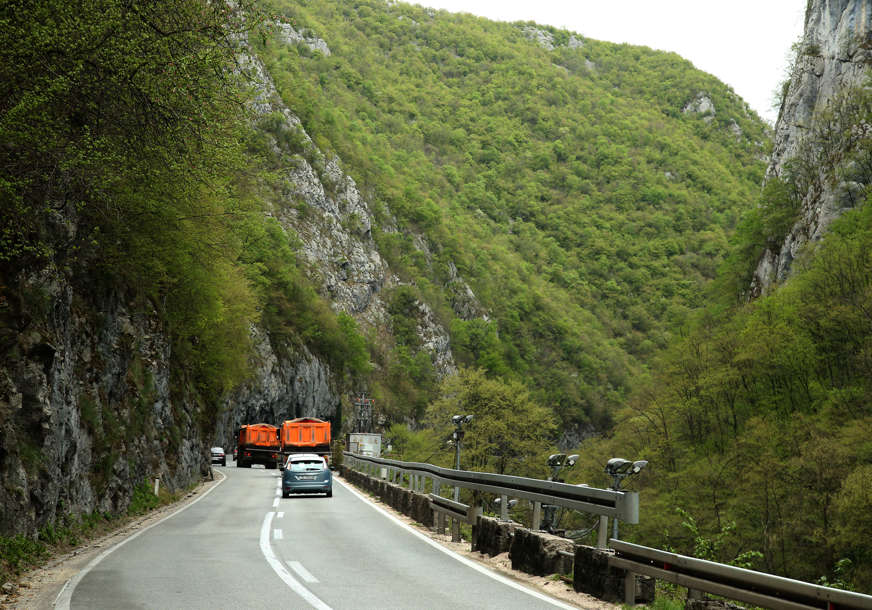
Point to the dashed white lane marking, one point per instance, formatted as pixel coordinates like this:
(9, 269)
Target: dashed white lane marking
(277, 535)
(279, 492)
(281, 570)
(275, 503)
(280, 515)
(302, 572)
(467, 562)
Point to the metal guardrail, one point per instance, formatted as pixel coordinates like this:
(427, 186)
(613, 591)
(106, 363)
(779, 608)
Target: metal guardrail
(623, 505)
(456, 512)
(698, 575)
(758, 588)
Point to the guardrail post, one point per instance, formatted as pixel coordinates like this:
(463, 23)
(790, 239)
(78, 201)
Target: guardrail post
(695, 594)
(537, 516)
(475, 509)
(602, 536)
(504, 507)
(630, 589)
(455, 529)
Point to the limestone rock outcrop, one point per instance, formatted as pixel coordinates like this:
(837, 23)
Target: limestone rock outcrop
(85, 405)
(833, 57)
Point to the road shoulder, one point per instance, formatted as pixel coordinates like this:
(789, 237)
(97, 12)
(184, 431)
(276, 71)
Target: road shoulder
(501, 564)
(39, 588)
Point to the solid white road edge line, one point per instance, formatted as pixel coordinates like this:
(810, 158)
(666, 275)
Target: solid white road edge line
(302, 572)
(66, 594)
(464, 560)
(280, 570)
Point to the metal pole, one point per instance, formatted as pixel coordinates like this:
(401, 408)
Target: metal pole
(457, 463)
(603, 532)
(615, 528)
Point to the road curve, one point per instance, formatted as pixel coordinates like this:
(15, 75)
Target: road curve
(243, 546)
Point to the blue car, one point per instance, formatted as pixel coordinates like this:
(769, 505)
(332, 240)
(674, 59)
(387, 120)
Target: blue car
(306, 473)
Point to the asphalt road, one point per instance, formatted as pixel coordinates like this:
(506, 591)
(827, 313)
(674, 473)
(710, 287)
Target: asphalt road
(243, 546)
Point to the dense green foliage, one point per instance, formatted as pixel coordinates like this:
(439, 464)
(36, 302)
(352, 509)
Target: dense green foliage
(130, 172)
(129, 164)
(583, 206)
(760, 416)
(507, 426)
(588, 211)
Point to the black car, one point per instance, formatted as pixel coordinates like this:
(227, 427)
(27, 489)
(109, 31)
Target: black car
(306, 473)
(218, 456)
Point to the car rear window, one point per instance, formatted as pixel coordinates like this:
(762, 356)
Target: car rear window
(303, 465)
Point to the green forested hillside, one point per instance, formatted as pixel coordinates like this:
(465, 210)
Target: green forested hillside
(128, 165)
(757, 422)
(584, 207)
(589, 212)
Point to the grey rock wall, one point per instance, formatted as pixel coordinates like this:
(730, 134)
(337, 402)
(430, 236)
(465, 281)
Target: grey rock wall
(323, 207)
(283, 387)
(85, 407)
(835, 53)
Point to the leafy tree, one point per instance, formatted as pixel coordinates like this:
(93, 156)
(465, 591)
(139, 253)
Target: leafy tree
(508, 429)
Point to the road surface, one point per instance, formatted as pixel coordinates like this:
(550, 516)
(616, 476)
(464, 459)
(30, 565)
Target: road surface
(243, 546)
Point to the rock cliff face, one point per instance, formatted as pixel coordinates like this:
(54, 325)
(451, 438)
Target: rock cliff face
(283, 387)
(321, 205)
(834, 56)
(86, 411)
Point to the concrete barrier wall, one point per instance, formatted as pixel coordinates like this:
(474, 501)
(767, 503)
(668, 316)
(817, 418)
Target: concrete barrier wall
(592, 575)
(410, 503)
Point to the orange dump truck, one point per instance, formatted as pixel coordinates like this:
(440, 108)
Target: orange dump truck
(257, 444)
(305, 435)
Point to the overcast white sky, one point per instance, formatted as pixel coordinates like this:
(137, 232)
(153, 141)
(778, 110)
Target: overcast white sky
(745, 43)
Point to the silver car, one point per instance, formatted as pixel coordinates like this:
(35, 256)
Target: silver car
(306, 473)
(218, 456)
